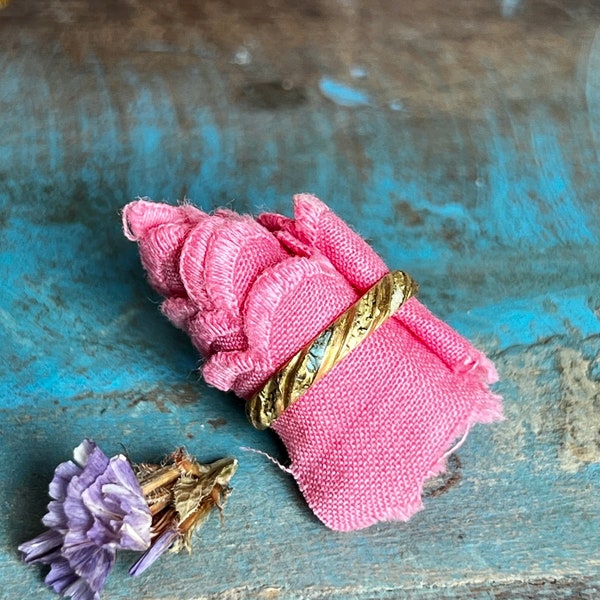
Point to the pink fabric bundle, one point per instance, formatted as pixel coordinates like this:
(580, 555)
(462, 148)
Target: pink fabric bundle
(251, 293)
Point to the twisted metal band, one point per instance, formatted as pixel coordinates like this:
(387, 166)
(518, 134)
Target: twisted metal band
(316, 359)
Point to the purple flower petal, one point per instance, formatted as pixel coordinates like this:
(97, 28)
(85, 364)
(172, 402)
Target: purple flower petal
(61, 575)
(62, 476)
(106, 504)
(115, 502)
(82, 453)
(56, 518)
(79, 590)
(98, 507)
(95, 462)
(91, 563)
(160, 545)
(43, 548)
(64, 581)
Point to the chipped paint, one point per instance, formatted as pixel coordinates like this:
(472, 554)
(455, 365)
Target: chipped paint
(559, 407)
(580, 407)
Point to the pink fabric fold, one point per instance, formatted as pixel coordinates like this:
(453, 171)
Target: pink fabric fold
(251, 293)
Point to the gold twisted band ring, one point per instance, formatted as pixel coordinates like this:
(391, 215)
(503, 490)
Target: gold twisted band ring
(316, 359)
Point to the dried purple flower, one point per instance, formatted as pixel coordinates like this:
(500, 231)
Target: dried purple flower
(98, 507)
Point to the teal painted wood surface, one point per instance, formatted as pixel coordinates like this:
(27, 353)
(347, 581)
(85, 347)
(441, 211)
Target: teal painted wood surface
(462, 139)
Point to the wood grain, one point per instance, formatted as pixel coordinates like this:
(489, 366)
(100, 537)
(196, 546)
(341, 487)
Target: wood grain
(461, 138)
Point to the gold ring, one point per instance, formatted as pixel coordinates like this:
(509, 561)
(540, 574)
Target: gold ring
(333, 344)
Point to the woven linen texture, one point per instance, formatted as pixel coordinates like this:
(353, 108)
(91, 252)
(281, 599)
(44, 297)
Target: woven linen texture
(251, 293)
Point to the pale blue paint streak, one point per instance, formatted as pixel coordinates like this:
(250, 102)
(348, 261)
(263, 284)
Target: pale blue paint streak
(527, 321)
(342, 94)
(564, 214)
(529, 201)
(79, 320)
(510, 8)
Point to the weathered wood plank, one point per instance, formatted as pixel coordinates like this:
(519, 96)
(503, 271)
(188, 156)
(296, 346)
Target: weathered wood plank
(462, 139)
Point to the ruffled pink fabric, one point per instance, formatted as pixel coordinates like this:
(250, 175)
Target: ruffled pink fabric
(251, 293)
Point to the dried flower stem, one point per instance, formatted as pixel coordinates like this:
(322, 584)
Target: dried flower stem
(180, 494)
(163, 476)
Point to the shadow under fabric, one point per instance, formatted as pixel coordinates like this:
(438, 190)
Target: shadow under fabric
(250, 293)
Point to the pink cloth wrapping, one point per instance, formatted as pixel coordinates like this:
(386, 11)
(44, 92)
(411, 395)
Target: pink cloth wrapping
(251, 293)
